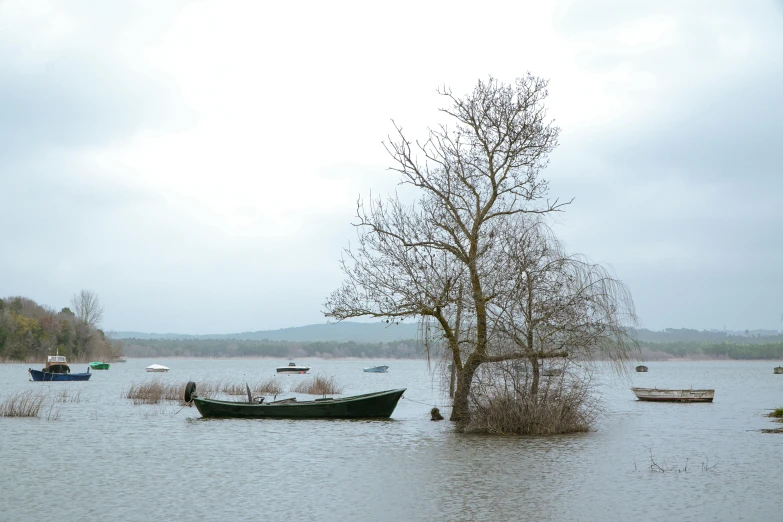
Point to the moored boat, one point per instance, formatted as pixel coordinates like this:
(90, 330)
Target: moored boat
(293, 368)
(641, 368)
(377, 369)
(57, 369)
(368, 406)
(669, 395)
(157, 368)
(97, 365)
(552, 372)
(778, 370)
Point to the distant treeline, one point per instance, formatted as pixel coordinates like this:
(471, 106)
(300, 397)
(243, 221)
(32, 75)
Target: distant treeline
(406, 349)
(29, 332)
(716, 337)
(723, 350)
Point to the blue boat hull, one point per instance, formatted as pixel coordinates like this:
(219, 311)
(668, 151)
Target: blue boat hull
(38, 375)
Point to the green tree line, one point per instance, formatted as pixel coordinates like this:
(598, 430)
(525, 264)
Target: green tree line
(719, 350)
(29, 332)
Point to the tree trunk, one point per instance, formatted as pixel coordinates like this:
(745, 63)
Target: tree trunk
(452, 379)
(536, 376)
(460, 411)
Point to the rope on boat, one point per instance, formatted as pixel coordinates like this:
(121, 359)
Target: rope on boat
(420, 402)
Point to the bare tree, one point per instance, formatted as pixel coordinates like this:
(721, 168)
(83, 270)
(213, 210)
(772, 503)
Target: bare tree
(87, 307)
(556, 305)
(433, 258)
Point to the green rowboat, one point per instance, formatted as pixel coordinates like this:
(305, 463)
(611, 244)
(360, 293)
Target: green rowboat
(367, 406)
(96, 365)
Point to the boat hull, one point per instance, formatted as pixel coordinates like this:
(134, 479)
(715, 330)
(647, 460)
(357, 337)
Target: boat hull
(641, 369)
(294, 370)
(377, 369)
(778, 370)
(99, 365)
(368, 406)
(666, 395)
(38, 375)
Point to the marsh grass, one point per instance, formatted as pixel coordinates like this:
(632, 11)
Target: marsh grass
(319, 385)
(66, 395)
(777, 413)
(155, 391)
(270, 386)
(26, 403)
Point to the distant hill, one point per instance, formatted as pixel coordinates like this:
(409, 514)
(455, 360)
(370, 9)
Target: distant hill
(339, 332)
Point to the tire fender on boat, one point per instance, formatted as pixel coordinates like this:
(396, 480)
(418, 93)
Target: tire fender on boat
(190, 391)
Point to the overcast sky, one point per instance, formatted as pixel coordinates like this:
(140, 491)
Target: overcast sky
(197, 164)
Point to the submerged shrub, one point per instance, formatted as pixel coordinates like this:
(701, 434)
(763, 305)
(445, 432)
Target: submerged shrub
(563, 406)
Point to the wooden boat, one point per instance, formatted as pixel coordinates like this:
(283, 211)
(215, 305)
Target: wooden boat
(157, 368)
(377, 369)
(378, 405)
(641, 368)
(778, 370)
(666, 395)
(96, 365)
(293, 368)
(57, 369)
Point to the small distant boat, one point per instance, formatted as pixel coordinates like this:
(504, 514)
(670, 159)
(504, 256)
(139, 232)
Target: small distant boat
(368, 406)
(293, 368)
(641, 368)
(157, 368)
(666, 395)
(377, 369)
(778, 370)
(96, 365)
(57, 369)
(551, 372)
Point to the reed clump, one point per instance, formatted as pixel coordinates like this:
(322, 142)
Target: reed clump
(777, 413)
(319, 385)
(23, 404)
(270, 386)
(155, 391)
(66, 395)
(150, 392)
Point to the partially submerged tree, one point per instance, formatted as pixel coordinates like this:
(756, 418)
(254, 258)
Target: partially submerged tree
(432, 259)
(556, 305)
(87, 307)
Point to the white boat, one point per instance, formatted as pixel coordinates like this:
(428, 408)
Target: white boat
(377, 369)
(293, 368)
(667, 395)
(157, 368)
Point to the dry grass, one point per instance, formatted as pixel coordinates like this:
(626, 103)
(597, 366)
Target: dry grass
(145, 392)
(67, 395)
(271, 386)
(319, 385)
(23, 404)
(155, 391)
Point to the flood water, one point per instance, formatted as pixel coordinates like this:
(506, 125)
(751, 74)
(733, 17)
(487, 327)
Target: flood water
(104, 458)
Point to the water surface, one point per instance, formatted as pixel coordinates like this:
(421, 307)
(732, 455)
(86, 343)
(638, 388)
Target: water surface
(108, 459)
